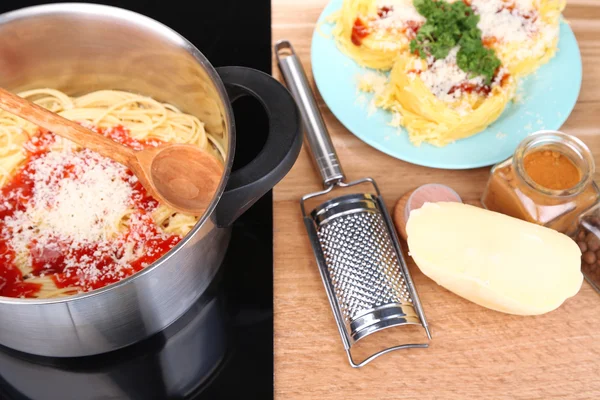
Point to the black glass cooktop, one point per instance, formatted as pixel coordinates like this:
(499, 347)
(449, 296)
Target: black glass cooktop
(222, 348)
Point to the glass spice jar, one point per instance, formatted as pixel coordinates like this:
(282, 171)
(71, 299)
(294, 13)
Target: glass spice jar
(548, 181)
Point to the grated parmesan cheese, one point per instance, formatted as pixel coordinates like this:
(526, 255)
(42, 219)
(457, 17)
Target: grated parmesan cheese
(401, 12)
(402, 15)
(506, 25)
(82, 206)
(444, 74)
(397, 119)
(371, 82)
(526, 5)
(511, 25)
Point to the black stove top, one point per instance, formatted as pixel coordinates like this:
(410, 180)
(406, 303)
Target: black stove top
(222, 348)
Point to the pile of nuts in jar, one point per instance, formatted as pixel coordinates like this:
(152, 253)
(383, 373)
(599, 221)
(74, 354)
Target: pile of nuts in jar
(588, 240)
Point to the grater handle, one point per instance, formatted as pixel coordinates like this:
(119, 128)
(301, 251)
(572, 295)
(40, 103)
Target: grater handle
(319, 141)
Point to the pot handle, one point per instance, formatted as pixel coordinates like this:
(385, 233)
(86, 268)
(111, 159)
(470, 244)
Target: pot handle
(282, 147)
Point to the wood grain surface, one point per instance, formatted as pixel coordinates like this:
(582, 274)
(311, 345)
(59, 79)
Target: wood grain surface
(475, 353)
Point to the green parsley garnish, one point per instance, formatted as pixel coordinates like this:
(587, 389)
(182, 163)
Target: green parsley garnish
(450, 25)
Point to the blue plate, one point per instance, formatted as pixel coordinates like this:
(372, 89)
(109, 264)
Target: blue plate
(547, 99)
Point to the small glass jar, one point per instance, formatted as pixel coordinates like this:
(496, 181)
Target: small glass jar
(511, 191)
(588, 240)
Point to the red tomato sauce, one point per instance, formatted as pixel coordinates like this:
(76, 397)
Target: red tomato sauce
(412, 28)
(49, 259)
(472, 88)
(383, 12)
(359, 32)
(479, 89)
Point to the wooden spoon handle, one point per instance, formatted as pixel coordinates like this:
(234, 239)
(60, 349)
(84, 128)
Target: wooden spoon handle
(63, 127)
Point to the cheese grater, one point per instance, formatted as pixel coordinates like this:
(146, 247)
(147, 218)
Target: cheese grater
(357, 250)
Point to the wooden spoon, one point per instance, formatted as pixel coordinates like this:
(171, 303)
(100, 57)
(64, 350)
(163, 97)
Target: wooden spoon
(182, 176)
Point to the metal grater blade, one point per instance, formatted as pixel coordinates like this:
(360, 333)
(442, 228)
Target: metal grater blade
(362, 267)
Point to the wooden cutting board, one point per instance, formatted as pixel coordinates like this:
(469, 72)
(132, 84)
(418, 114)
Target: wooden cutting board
(475, 353)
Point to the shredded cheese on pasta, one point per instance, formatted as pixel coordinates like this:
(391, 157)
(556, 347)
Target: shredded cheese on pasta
(434, 100)
(83, 211)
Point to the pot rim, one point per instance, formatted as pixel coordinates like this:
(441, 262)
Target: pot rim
(177, 39)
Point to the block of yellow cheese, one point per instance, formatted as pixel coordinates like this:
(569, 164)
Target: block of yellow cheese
(496, 261)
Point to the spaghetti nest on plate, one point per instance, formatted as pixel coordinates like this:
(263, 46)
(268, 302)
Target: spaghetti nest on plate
(452, 66)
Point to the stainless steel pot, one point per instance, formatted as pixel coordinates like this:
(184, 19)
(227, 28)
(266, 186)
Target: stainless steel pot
(173, 364)
(78, 48)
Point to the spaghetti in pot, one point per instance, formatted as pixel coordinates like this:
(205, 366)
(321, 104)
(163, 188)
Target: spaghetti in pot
(71, 220)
